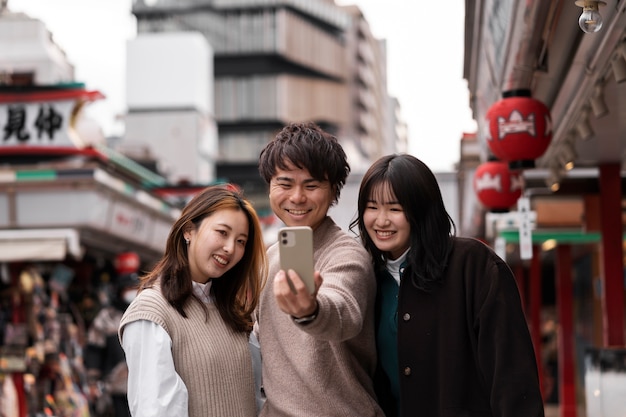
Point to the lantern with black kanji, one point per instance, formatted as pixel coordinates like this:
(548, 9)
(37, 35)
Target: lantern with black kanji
(520, 129)
(497, 187)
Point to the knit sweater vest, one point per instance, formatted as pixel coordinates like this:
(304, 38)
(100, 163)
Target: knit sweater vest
(213, 360)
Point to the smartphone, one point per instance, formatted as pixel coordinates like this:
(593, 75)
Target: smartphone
(295, 248)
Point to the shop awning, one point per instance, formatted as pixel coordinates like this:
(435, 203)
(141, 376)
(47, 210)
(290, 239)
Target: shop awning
(38, 244)
(565, 237)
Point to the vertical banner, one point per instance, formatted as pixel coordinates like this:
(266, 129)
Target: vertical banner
(500, 247)
(525, 234)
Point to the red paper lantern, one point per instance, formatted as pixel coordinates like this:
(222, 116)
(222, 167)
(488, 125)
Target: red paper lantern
(126, 263)
(496, 186)
(520, 129)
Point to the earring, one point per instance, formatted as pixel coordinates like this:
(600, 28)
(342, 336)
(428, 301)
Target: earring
(187, 241)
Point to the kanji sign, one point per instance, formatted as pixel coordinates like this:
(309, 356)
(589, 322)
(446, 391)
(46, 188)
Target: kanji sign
(38, 124)
(41, 117)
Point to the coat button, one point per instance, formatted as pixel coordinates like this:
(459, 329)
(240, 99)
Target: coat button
(407, 371)
(406, 317)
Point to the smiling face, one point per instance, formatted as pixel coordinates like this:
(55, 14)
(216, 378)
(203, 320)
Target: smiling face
(217, 244)
(298, 199)
(386, 223)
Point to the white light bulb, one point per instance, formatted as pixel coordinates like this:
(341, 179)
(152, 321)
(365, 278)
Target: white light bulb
(590, 21)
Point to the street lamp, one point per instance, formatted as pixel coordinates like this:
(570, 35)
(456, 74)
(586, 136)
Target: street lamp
(597, 102)
(590, 20)
(585, 131)
(618, 63)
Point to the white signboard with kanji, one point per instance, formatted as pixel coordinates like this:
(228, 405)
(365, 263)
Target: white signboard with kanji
(36, 123)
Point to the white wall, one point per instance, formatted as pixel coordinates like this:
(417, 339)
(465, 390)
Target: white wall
(170, 93)
(169, 70)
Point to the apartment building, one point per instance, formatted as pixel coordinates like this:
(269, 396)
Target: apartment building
(273, 62)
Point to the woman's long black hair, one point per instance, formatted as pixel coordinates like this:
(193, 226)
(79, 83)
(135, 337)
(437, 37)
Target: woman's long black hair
(417, 191)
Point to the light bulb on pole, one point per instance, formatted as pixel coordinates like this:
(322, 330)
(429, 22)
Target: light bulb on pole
(590, 20)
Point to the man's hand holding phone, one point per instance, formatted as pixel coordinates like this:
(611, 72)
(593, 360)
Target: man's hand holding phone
(296, 284)
(292, 295)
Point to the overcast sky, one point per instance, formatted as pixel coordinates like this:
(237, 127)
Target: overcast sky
(425, 62)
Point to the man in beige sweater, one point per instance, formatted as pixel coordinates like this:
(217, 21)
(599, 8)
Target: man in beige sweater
(318, 349)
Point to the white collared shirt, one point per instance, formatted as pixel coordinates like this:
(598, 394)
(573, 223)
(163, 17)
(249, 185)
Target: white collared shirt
(393, 266)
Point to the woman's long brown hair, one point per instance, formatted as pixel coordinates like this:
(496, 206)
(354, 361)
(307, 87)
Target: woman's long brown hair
(237, 292)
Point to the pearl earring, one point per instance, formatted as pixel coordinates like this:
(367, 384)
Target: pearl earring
(187, 241)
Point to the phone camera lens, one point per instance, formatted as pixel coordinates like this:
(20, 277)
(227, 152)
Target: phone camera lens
(284, 241)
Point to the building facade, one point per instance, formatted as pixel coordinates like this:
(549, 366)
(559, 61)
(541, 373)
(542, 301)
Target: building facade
(573, 283)
(276, 62)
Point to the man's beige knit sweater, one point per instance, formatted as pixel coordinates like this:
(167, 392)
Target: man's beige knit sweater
(213, 361)
(323, 368)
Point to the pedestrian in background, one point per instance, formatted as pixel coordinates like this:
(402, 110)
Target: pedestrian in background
(451, 334)
(107, 373)
(186, 334)
(317, 349)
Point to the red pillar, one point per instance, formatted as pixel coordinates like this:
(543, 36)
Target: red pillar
(535, 307)
(612, 255)
(564, 302)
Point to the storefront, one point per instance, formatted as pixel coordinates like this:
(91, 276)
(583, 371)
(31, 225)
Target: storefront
(67, 210)
(572, 277)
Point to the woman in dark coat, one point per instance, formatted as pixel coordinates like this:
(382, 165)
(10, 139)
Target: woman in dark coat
(451, 334)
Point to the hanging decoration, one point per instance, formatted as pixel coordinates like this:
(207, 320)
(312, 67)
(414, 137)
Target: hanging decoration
(520, 129)
(497, 187)
(126, 263)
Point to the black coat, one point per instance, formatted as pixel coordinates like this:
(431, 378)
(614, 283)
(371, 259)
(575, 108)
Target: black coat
(464, 349)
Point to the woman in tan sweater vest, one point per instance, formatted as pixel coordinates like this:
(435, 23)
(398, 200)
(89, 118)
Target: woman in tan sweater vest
(185, 336)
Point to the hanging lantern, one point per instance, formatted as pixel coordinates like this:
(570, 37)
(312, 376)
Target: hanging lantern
(126, 263)
(520, 129)
(496, 186)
